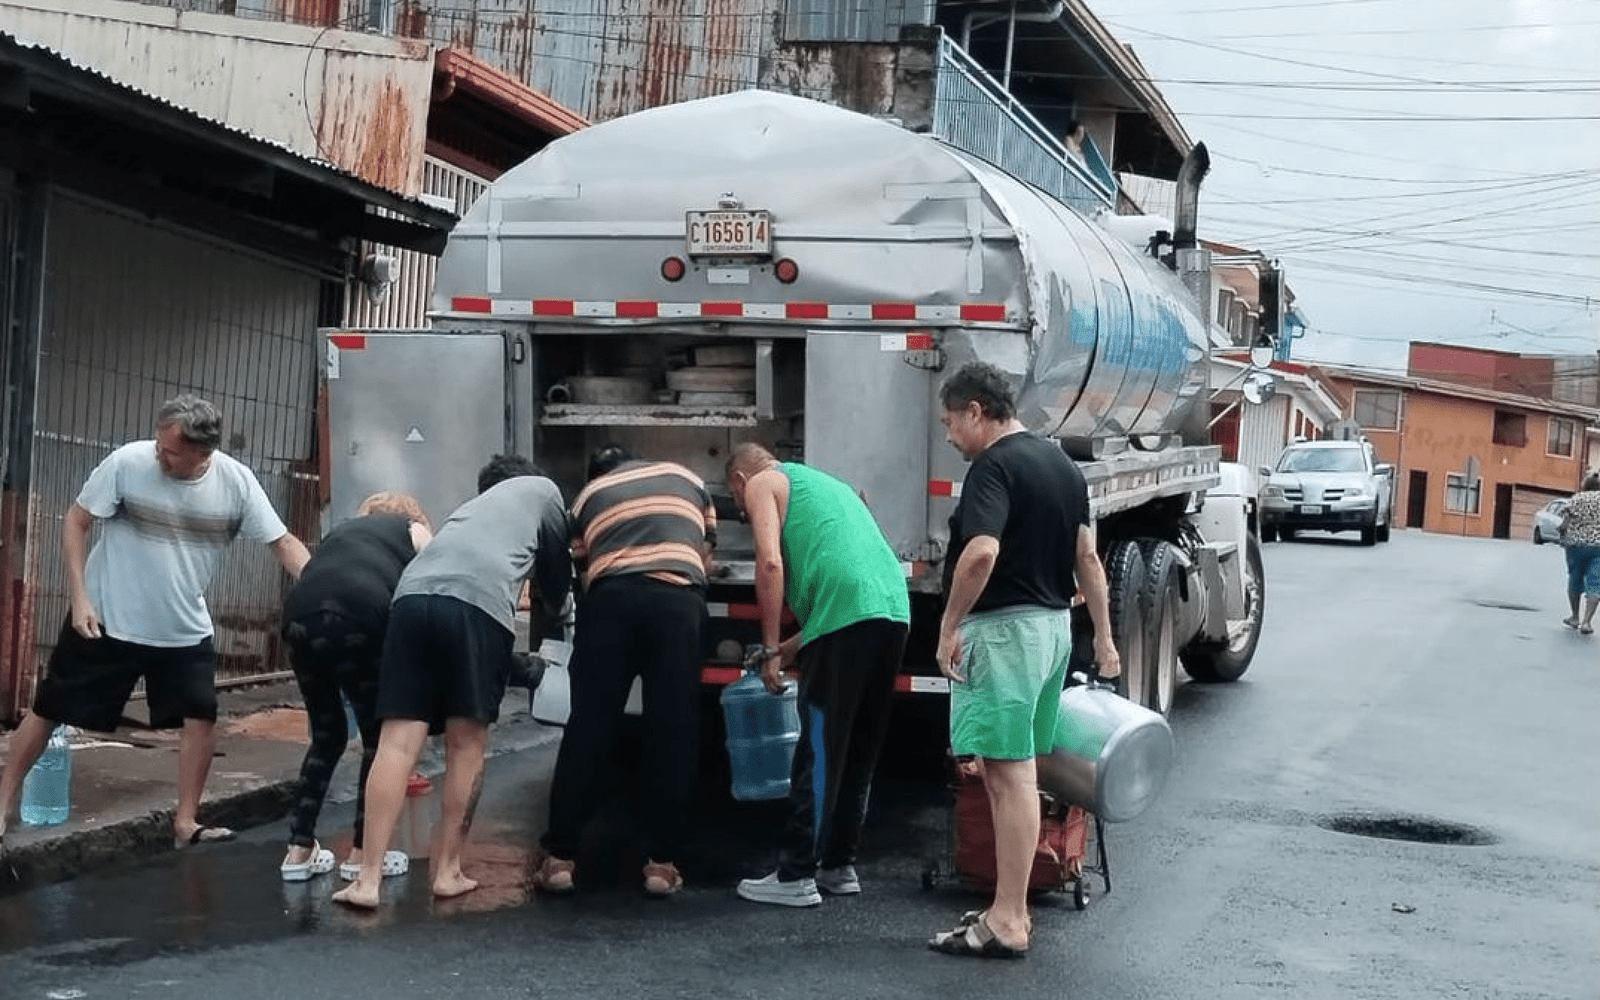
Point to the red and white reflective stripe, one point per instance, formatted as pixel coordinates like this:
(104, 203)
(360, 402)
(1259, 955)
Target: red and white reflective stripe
(912, 684)
(903, 683)
(742, 612)
(719, 675)
(736, 612)
(944, 488)
(970, 312)
(348, 341)
(905, 342)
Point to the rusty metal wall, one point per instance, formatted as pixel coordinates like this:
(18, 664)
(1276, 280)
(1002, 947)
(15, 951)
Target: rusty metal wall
(852, 20)
(404, 304)
(357, 100)
(137, 313)
(601, 58)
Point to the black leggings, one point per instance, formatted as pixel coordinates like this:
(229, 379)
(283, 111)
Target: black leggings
(846, 685)
(331, 654)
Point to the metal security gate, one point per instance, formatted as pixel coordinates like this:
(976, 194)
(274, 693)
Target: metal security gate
(136, 313)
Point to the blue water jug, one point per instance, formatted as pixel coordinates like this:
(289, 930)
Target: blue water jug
(762, 731)
(47, 790)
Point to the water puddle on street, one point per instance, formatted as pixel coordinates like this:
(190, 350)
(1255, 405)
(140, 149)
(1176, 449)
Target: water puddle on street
(230, 894)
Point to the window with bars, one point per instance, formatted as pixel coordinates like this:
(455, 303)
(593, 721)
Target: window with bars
(1563, 433)
(1377, 409)
(1462, 495)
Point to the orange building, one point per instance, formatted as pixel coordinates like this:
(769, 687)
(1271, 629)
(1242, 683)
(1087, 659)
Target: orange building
(1471, 460)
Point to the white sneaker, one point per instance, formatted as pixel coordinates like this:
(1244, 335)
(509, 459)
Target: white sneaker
(801, 892)
(840, 881)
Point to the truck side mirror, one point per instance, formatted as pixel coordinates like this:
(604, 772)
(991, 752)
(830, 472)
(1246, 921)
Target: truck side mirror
(1266, 471)
(1384, 469)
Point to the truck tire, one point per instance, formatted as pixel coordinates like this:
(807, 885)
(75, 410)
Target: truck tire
(1269, 532)
(1227, 661)
(1125, 583)
(1383, 532)
(1161, 597)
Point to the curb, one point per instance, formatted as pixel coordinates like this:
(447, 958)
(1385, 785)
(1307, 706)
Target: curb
(43, 862)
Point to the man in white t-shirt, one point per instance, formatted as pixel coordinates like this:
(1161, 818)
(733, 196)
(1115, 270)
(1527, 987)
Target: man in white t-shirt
(167, 509)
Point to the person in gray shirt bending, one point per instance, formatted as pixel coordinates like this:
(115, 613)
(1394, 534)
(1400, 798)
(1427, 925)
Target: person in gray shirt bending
(447, 655)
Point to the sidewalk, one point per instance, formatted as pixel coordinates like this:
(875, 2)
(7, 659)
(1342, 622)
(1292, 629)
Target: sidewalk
(124, 784)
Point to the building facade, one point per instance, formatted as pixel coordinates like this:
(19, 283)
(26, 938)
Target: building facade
(1469, 460)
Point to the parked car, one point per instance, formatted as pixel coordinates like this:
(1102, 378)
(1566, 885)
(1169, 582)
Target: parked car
(1328, 486)
(1547, 523)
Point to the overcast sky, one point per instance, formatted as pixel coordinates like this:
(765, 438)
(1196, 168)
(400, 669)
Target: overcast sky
(1424, 169)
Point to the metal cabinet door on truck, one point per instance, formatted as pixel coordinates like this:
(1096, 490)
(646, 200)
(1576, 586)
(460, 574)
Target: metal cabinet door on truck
(869, 409)
(414, 411)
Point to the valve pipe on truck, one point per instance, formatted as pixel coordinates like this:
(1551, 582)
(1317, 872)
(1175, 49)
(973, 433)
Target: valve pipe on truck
(757, 266)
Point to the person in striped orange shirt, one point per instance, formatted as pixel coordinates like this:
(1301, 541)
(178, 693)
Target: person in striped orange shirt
(642, 539)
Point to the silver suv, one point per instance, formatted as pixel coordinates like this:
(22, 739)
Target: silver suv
(1327, 486)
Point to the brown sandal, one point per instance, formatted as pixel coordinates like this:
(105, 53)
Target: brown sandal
(555, 876)
(661, 879)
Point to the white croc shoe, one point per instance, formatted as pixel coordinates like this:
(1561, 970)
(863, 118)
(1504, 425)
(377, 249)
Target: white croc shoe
(320, 862)
(394, 863)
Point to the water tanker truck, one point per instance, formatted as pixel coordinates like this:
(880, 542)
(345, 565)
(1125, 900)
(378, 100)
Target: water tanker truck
(763, 267)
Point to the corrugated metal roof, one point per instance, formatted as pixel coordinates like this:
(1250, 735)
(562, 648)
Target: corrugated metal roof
(86, 82)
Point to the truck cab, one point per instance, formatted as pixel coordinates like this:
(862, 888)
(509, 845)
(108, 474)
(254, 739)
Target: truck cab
(1327, 486)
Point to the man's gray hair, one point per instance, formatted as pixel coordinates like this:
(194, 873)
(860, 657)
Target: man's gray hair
(198, 421)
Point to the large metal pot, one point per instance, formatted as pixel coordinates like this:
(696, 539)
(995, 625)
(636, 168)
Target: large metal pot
(1110, 757)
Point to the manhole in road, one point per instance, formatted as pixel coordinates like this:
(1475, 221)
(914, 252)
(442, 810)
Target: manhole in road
(1417, 829)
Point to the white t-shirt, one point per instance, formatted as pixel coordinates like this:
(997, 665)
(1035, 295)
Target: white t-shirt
(161, 541)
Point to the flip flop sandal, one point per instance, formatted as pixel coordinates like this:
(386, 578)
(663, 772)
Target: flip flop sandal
(974, 940)
(204, 835)
(394, 863)
(320, 862)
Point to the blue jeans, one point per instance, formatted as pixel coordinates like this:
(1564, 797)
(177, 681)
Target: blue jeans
(1583, 570)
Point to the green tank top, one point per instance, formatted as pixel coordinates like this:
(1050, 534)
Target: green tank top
(838, 567)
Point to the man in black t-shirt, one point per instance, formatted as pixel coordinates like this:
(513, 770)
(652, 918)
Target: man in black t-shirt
(1018, 535)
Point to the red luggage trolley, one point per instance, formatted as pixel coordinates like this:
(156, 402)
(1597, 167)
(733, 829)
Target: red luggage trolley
(1058, 862)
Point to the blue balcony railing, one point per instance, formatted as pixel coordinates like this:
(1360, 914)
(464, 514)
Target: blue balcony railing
(973, 112)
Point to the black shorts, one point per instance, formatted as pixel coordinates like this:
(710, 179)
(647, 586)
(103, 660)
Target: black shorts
(89, 681)
(442, 659)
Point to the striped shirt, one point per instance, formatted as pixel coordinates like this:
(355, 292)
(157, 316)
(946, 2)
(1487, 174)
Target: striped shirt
(162, 541)
(653, 518)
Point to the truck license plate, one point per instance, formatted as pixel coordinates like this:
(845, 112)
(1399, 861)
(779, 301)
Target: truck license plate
(1311, 508)
(743, 233)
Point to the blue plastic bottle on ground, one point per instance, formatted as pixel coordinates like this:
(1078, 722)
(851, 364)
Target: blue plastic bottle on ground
(47, 790)
(762, 731)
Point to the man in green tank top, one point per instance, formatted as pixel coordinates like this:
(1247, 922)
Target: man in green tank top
(819, 549)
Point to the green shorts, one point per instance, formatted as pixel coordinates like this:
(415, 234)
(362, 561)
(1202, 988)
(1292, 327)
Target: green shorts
(1015, 661)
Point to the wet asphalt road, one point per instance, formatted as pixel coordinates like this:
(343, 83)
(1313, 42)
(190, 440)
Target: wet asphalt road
(1424, 688)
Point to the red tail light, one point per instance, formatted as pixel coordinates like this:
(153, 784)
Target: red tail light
(673, 268)
(786, 271)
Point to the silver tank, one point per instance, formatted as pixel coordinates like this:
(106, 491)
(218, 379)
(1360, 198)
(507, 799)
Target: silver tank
(1103, 339)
